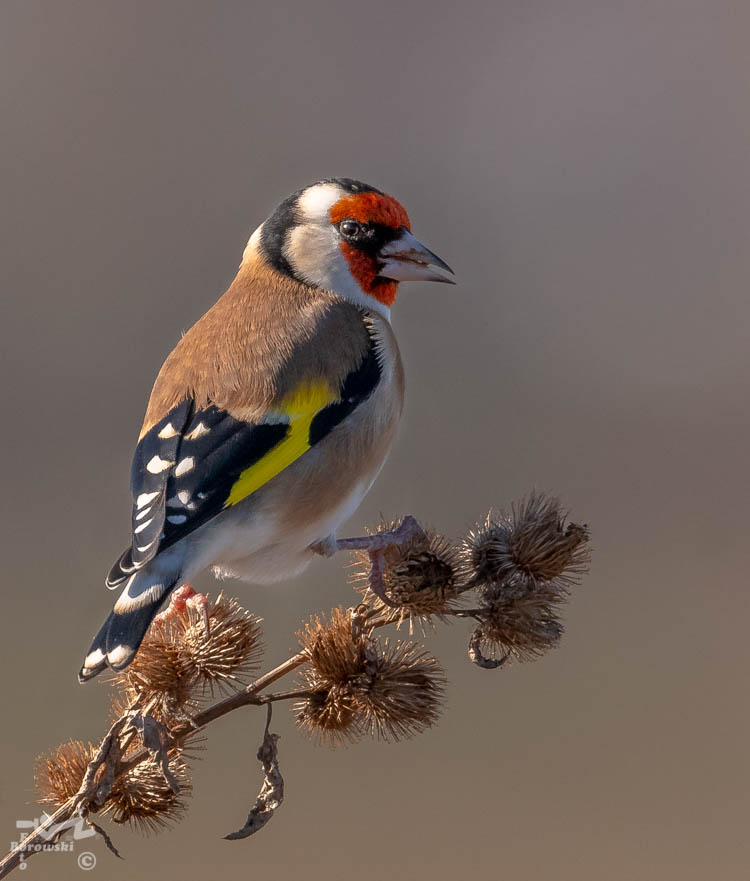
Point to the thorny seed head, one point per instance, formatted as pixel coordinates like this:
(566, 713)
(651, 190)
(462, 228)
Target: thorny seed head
(403, 694)
(531, 545)
(177, 661)
(521, 627)
(336, 655)
(159, 676)
(328, 715)
(123, 699)
(232, 651)
(420, 576)
(59, 775)
(144, 799)
(358, 685)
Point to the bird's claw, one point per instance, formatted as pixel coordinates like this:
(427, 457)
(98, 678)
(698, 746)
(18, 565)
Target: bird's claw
(376, 545)
(182, 598)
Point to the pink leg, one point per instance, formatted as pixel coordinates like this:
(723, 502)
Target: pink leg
(376, 545)
(185, 597)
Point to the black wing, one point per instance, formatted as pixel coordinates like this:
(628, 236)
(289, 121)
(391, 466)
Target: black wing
(189, 480)
(185, 467)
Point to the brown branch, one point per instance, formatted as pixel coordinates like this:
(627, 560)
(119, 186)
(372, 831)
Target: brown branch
(85, 798)
(493, 554)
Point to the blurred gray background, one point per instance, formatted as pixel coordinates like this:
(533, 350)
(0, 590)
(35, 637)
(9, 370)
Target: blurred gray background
(585, 168)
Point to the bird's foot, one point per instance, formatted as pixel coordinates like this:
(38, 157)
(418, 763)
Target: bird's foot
(326, 547)
(376, 546)
(406, 530)
(185, 597)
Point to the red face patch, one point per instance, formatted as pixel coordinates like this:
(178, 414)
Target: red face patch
(364, 269)
(370, 208)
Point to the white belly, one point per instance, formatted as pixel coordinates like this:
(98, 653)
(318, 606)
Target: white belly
(284, 554)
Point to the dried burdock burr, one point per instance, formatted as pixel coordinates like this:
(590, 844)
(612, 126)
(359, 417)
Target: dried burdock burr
(143, 798)
(402, 693)
(510, 577)
(178, 661)
(419, 576)
(336, 649)
(230, 653)
(518, 627)
(357, 685)
(328, 714)
(337, 653)
(159, 675)
(124, 699)
(530, 545)
(58, 775)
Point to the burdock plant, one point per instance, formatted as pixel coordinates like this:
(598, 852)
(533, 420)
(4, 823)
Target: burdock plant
(509, 576)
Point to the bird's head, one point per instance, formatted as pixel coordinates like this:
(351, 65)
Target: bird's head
(347, 237)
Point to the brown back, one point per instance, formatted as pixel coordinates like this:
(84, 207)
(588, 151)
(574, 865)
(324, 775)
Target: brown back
(264, 336)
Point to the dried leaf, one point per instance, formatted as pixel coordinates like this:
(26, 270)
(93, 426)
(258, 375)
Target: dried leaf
(271, 792)
(155, 738)
(105, 835)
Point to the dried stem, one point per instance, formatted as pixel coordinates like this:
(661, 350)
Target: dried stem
(84, 799)
(500, 600)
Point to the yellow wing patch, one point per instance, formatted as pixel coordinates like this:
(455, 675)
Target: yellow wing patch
(300, 406)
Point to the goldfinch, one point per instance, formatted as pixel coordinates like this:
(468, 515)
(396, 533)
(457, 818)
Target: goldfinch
(273, 415)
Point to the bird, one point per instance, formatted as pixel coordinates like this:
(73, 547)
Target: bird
(273, 415)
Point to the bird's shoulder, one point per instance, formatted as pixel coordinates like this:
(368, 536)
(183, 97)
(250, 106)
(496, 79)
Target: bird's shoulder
(264, 338)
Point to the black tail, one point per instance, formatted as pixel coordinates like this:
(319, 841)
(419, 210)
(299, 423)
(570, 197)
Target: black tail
(96, 657)
(118, 640)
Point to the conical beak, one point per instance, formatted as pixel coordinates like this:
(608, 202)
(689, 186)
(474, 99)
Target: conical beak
(407, 259)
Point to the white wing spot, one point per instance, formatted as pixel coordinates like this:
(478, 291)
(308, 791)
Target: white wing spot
(127, 602)
(118, 655)
(145, 547)
(177, 518)
(184, 466)
(145, 499)
(144, 513)
(168, 431)
(157, 465)
(142, 526)
(184, 496)
(199, 430)
(93, 660)
(127, 583)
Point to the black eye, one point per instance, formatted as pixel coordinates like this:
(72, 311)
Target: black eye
(350, 229)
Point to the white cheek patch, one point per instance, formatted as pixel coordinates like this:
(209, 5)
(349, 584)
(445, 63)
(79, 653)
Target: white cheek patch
(313, 250)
